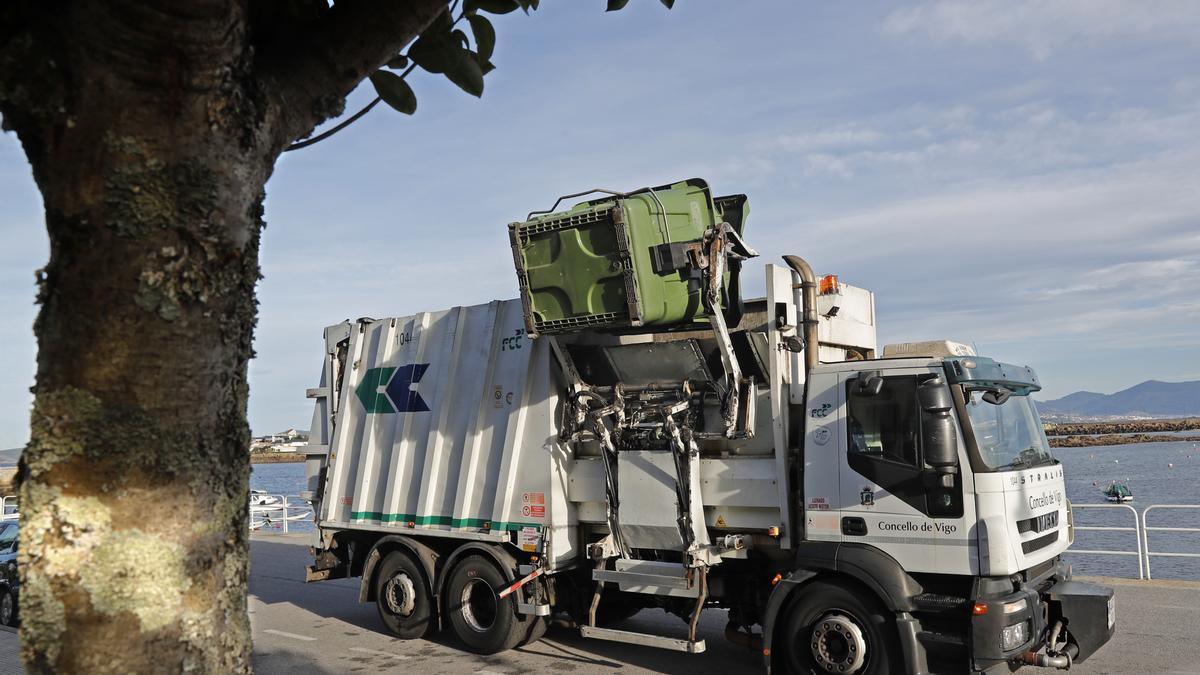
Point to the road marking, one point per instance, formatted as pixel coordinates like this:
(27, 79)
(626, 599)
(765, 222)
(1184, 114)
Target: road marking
(289, 635)
(376, 652)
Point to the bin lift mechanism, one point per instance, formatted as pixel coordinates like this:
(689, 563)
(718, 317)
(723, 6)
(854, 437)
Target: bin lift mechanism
(651, 411)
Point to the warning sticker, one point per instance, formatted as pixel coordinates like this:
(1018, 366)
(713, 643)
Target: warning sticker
(533, 504)
(528, 539)
(720, 521)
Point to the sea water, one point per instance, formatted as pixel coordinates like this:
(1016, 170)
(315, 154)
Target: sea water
(284, 478)
(1157, 473)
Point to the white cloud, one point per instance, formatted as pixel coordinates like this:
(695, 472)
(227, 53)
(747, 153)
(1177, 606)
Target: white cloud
(838, 137)
(1045, 26)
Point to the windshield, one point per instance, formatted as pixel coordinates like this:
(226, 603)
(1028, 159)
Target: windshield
(1008, 435)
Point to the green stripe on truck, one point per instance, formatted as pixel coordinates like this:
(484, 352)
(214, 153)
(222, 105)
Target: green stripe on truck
(493, 525)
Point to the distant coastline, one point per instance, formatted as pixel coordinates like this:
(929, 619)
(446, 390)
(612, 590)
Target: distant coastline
(276, 457)
(1087, 434)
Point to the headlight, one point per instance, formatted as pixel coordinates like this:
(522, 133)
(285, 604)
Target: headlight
(1014, 636)
(1014, 607)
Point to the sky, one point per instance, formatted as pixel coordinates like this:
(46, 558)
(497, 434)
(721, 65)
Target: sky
(1023, 176)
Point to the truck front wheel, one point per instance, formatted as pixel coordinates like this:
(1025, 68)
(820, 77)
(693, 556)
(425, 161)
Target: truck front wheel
(485, 622)
(402, 596)
(833, 629)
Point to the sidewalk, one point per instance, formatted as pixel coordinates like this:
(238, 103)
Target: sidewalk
(10, 652)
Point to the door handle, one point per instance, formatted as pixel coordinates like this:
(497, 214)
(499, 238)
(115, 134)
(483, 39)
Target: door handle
(854, 526)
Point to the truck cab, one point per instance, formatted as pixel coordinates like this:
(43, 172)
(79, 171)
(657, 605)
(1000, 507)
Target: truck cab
(940, 462)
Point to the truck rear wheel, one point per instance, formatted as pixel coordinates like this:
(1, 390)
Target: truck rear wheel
(832, 629)
(484, 622)
(402, 596)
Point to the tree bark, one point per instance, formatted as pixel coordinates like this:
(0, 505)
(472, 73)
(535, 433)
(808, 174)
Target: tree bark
(134, 483)
(151, 131)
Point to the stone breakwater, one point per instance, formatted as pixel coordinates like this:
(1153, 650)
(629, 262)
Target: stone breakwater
(1116, 439)
(1087, 434)
(1124, 427)
(276, 457)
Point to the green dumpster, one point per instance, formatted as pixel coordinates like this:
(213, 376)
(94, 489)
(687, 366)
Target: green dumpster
(620, 261)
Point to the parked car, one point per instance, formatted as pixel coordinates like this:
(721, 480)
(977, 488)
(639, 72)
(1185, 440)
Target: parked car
(9, 583)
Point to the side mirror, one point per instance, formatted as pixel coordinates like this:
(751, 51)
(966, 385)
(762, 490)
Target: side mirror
(870, 383)
(996, 396)
(938, 434)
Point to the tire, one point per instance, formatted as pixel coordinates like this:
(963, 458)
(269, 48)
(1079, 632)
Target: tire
(831, 626)
(532, 629)
(402, 596)
(8, 608)
(485, 623)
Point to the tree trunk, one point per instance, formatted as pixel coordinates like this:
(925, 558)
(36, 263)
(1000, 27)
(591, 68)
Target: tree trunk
(152, 129)
(134, 483)
(134, 491)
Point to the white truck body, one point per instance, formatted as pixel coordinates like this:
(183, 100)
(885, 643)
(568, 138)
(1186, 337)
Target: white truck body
(448, 423)
(452, 452)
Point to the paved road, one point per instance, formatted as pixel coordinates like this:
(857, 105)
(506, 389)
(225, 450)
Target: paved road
(321, 628)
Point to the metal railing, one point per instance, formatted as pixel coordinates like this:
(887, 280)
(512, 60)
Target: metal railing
(1136, 530)
(282, 510)
(277, 512)
(1146, 529)
(272, 516)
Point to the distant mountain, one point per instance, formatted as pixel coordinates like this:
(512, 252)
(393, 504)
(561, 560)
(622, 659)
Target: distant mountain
(1151, 398)
(10, 457)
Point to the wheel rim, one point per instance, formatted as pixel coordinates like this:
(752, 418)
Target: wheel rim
(837, 643)
(479, 605)
(400, 594)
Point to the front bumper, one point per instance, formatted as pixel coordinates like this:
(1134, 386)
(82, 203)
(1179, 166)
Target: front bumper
(1086, 612)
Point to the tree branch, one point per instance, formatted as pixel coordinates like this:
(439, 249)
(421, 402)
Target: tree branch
(310, 75)
(326, 134)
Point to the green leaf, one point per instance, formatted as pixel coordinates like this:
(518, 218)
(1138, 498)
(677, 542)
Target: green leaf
(614, 5)
(398, 62)
(484, 65)
(490, 6)
(485, 35)
(462, 39)
(394, 91)
(434, 49)
(434, 53)
(466, 73)
(668, 3)
(528, 5)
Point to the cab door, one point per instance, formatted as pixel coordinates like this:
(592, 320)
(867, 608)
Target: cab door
(891, 498)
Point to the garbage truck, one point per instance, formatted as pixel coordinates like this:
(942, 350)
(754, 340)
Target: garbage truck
(629, 434)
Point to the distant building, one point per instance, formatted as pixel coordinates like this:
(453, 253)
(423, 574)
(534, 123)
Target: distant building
(284, 441)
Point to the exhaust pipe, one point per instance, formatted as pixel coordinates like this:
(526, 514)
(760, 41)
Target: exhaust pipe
(808, 287)
(1061, 661)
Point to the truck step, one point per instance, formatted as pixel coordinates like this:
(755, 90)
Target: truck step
(652, 577)
(645, 639)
